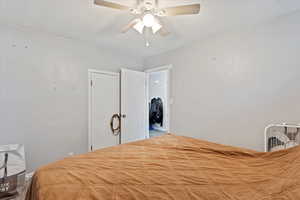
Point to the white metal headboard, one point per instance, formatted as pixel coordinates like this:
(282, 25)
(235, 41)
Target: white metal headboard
(277, 136)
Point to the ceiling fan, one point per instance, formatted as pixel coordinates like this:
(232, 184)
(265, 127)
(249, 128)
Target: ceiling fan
(148, 14)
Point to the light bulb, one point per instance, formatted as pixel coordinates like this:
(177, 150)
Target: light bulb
(156, 27)
(148, 20)
(139, 27)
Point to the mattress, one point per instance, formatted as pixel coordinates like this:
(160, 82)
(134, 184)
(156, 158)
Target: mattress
(171, 167)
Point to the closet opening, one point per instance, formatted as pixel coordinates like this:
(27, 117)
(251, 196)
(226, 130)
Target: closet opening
(159, 101)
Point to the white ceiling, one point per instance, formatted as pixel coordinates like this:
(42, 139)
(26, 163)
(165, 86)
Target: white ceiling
(80, 19)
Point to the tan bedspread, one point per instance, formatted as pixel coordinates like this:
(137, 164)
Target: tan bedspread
(171, 167)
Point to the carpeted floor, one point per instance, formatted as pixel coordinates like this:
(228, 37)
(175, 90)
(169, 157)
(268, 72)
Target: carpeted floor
(154, 133)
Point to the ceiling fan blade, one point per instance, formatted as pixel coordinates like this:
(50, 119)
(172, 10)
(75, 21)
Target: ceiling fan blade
(164, 32)
(162, 29)
(182, 10)
(130, 25)
(111, 5)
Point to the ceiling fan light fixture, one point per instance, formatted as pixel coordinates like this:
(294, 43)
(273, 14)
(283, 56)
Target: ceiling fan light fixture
(148, 20)
(139, 27)
(156, 27)
(149, 13)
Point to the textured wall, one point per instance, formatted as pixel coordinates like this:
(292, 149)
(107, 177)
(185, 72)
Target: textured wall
(228, 87)
(43, 92)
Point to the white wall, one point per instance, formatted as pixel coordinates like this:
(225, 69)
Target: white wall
(225, 89)
(228, 87)
(43, 91)
(158, 87)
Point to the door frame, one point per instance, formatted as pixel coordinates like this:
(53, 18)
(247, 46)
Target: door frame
(167, 68)
(90, 83)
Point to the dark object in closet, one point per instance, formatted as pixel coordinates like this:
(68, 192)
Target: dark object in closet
(156, 112)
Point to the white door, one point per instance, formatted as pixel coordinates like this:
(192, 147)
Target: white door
(104, 103)
(133, 106)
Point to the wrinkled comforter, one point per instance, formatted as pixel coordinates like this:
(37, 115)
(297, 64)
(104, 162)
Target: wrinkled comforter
(171, 167)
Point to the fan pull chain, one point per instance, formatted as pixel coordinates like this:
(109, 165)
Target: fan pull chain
(147, 44)
(146, 36)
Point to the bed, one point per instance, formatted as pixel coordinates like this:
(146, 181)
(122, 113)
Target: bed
(171, 167)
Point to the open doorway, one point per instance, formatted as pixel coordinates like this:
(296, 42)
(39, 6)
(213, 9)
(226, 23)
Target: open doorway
(158, 100)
